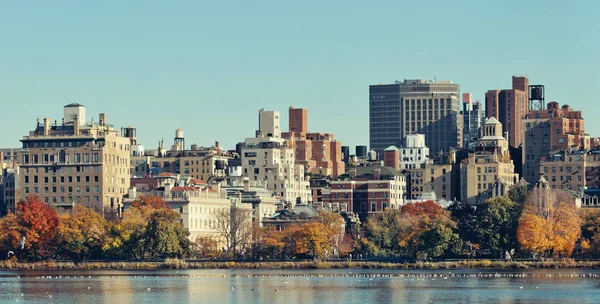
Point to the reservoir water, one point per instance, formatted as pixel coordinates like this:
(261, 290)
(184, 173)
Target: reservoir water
(301, 286)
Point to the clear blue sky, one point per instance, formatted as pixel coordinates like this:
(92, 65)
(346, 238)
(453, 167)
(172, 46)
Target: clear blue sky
(209, 66)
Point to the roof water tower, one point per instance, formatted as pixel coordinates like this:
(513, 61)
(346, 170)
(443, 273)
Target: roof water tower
(179, 141)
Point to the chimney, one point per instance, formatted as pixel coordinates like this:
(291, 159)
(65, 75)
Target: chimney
(246, 184)
(76, 127)
(218, 145)
(46, 126)
(102, 119)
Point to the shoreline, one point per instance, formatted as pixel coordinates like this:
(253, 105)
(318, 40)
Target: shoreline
(291, 265)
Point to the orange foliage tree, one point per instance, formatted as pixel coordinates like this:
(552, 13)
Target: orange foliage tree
(549, 224)
(312, 240)
(427, 208)
(149, 201)
(40, 224)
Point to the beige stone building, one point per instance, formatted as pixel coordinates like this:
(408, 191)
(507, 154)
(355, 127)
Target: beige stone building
(431, 178)
(572, 170)
(75, 162)
(196, 162)
(197, 208)
(488, 171)
(268, 158)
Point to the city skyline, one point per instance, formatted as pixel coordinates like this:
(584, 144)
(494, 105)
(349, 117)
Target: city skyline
(208, 68)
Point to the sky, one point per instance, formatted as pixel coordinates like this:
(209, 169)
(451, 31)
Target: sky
(209, 66)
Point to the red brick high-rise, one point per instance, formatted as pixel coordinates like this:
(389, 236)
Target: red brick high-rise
(319, 152)
(510, 107)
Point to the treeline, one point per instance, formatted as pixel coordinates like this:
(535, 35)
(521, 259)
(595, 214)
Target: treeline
(148, 231)
(539, 223)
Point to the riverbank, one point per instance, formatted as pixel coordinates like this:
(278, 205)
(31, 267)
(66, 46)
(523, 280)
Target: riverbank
(181, 264)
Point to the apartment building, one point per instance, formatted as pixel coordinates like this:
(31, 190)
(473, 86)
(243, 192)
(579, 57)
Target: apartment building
(196, 162)
(576, 170)
(367, 190)
(548, 132)
(319, 152)
(509, 107)
(269, 158)
(415, 106)
(473, 117)
(75, 162)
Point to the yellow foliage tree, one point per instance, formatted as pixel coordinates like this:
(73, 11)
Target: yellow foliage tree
(550, 223)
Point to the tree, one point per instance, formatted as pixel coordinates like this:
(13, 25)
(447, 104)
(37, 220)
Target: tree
(312, 239)
(518, 193)
(204, 247)
(335, 225)
(150, 201)
(498, 219)
(166, 236)
(428, 208)
(127, 238)
(466, 218)
(421, 231)
(82, 233)
(11, 233)
(38, 224)
(234, 225)
(590, 236)
(550, 223)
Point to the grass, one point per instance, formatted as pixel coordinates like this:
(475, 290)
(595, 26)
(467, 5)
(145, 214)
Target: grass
(182, 264)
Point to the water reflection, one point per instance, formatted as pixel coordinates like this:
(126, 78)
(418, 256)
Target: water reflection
(300, 286)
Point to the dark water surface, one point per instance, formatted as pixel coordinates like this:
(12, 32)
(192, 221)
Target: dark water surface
(301, 286)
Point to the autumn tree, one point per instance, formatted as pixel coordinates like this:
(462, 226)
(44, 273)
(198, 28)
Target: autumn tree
(82, 234)
(549, 224)
(150, 201)
(427, 208)
(234, 225)
(37, 223)
(336, 231)
(312, 240)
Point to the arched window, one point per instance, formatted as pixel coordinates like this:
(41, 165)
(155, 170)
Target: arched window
(62, 156)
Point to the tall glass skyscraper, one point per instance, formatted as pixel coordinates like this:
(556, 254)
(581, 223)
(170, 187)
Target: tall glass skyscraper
(415, 107)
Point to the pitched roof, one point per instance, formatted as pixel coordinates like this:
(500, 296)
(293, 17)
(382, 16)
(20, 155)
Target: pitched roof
(166, 174)
(73, 105)
(197, 181)
(391, 148)
(492, 121)
(179, 188)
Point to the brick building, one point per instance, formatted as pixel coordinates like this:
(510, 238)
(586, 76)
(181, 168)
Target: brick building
(319, 152)
(509, 107)
(550, 131)
(367, 190)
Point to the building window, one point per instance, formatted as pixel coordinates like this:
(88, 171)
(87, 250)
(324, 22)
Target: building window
(373, 206)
